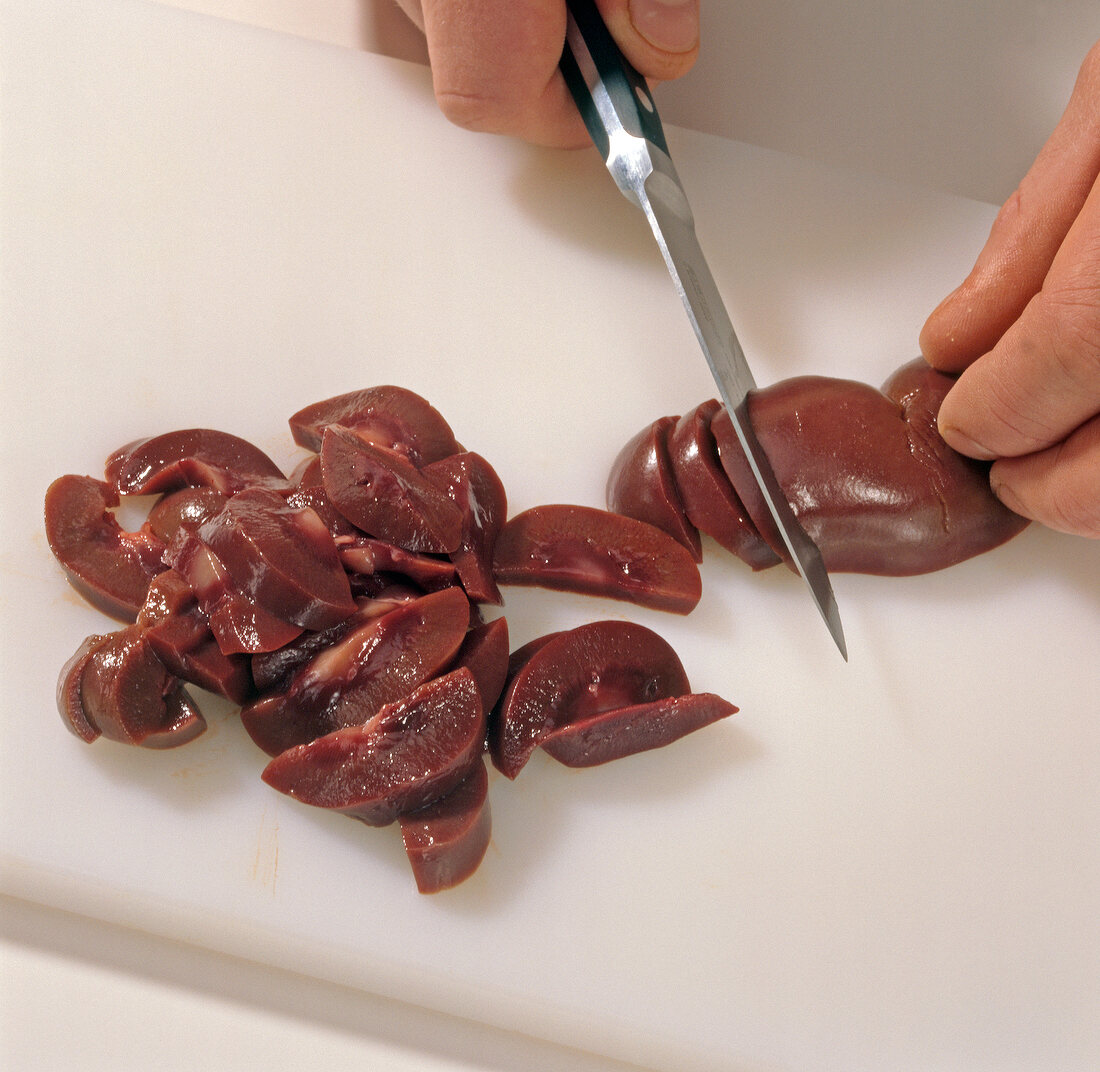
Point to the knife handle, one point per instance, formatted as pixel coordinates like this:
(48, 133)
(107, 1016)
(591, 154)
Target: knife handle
(602, 64)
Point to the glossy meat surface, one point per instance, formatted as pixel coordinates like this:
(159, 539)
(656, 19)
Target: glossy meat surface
(282, 557)
(386, 496)
(128, 695)
(578, 673)
(472, 484)
(347, 682)
(341, 609)
(191, 457)
(596, 552)
(642, 485)
(594, 739)
(446, 840)
(387, 416)
(708, 497)
(866, 473)
(411, 753)
(870, 478)
(111, 568)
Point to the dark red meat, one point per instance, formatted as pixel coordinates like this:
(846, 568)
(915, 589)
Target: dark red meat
(870, 478)
(377, 663)
(238, 622)
(484, 652)
(187, 507)
(128, 695)
(283, 558)
(109, 567)
(179, 633)
(642, 485)
(709, 500)
(386, 496)
(866, 473)
(598, 667)
(606, 735)
(446, 840)
(594, 552)
(387, 416)
(190, 457)
(474, 487)
(411, 753)
(367, 556)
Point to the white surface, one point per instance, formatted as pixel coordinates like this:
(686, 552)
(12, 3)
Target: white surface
(955, 96)
(132, 1002)
(890, 864)
(375, 25)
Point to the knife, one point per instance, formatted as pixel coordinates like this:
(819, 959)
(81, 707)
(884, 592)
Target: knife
(621, 117)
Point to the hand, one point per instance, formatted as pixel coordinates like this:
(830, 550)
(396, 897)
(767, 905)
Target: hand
(1024, 329)
(495, 62)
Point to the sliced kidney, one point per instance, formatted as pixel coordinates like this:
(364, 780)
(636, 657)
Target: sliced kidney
(601, 666)
(110, 567)
(411, 753)
(238, 622)
(383, 494)
(179, 632)
(446, 840)
(484, 652)
(128, 695)
(184, 508)
(377, 663)
(473, 486)
(368, 557)
(391, 417)
(595, 552)
(282, 557)
(604, 736)
(709, 500)
(642, 485)
(191, 457)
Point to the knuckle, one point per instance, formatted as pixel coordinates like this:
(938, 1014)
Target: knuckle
(1009, 410)
(1070, 508)
(1010, 213)
(1058, 487)
(1071, 323)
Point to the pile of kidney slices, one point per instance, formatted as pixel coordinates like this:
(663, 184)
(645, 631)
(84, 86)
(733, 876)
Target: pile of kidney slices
(342, 607)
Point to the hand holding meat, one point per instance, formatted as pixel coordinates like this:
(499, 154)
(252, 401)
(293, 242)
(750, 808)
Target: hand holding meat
(495, 62)
(1024, 331)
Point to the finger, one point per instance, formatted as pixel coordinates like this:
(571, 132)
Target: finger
(1042, 379)
(495, 62)
(1025, 236)
(494, 67)
(1058, 487)
(660, 38)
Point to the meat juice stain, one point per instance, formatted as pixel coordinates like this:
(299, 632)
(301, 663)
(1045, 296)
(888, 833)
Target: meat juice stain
(265, 864)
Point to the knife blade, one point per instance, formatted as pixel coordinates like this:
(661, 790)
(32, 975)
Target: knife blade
(622, 119)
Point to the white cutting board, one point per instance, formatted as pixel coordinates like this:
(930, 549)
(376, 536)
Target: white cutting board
(893, 863)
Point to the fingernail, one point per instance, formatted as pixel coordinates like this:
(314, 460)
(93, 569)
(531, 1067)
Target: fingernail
(670, 25)
(964, 444)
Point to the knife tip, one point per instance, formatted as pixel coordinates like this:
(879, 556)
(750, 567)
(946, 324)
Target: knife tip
(831, 613)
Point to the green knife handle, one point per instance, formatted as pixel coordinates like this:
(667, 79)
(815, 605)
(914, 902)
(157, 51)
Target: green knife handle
(627, 90)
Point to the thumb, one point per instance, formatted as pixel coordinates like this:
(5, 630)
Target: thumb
(659, 37)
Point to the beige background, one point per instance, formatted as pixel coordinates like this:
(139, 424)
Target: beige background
(958, 96)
